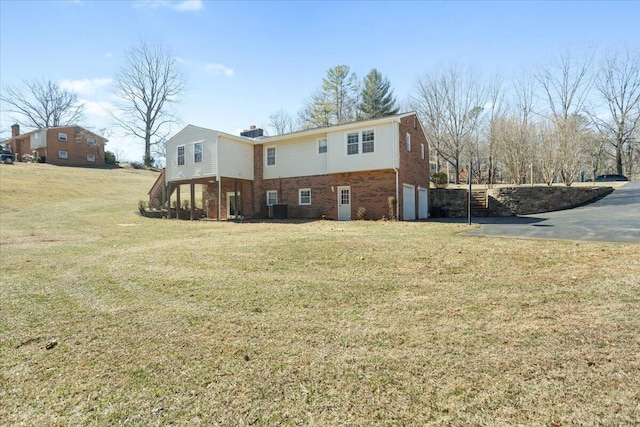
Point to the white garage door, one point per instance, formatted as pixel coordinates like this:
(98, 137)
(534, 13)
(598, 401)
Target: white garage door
(423, 203)
(408, 202)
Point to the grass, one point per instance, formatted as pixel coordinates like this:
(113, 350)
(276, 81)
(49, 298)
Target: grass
(165, 322)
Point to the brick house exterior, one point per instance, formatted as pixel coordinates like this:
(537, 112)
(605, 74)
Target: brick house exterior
(341, 172)
(61, 145)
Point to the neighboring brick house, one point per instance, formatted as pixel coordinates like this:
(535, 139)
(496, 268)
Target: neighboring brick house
(60, 145)
(333, 172)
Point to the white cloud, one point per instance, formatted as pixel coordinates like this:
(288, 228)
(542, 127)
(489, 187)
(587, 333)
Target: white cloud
(97, 108)
(218, 69)
(178, 5)
(85, 86)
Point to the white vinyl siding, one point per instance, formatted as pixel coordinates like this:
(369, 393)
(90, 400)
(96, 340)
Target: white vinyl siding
(187, 137)
(62, 154)
(304, 196)
(38, 139)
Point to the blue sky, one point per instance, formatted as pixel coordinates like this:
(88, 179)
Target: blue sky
(245, 60)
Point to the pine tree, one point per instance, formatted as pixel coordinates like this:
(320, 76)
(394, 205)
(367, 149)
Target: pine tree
(377, 98)
(340, 87)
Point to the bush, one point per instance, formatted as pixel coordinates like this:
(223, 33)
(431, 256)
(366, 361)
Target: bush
(392, 202)
(361, 213)
(138, 165)
(109, 158)
(440, 180)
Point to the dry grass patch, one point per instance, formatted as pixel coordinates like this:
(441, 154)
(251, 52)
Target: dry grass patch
(319, 323)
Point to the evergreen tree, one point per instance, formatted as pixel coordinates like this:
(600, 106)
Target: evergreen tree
(340, 88)
(377, 98)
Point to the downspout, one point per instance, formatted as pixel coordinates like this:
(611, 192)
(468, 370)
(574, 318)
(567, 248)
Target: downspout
(396, 130)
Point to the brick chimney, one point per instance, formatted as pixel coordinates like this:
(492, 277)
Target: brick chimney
(15, 130)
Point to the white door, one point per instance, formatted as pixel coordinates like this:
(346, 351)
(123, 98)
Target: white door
(344, 203)
(408, 202)
(233, 208)
(423, 203)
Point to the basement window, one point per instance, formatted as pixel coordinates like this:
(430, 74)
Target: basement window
(91, 158)
(304, 196)
(62, 137)
(62, 154)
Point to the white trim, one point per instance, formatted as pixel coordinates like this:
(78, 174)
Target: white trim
(91, 141)
(61, 137)
(360, 144)
(326, 145)
(91, 158)
(300, 196)
(62, 154)
(184, 155)
(266, 155)
(201, 152)
(276, 193)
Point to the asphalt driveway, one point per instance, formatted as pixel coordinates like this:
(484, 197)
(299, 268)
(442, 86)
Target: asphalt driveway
(614, 218)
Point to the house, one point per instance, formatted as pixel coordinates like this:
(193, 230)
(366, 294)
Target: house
(373, 169)
(60, 145)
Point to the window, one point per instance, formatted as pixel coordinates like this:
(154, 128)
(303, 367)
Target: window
(272, 197)
(322, 146)
(352, 143)
(304, 196)
(367, 142)
(197, 152)
(62, 136)
(271, 156)
(408, 140)
(90, 141)
(62, 154)
(422, 151)
(91, 158)
(181, 155)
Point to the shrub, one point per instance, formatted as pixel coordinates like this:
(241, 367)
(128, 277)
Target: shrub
(141, 206)
(138, 165)
(392, 201)
(361, 213)
(440, 180)
(109, 158)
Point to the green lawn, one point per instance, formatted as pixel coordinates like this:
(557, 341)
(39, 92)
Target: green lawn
(108, 318)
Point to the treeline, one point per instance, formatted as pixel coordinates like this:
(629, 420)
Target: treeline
(574, 117)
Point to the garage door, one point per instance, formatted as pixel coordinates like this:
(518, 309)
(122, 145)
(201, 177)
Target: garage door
(408, 202)
(423, 203)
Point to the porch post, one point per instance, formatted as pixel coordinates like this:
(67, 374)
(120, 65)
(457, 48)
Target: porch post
(178, 201)
(235, 197)
(168, 202)
(219, 198)
(192, 214)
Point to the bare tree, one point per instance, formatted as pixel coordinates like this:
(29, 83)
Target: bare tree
(281, 122)
(618, 85)
(566, 82)
(547, 152)
(148, 83)
(514, 140)
(42, 104)
(450, 102)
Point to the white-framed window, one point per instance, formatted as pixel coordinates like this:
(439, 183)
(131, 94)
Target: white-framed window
(368, 141)
(361, 142)
(62, 136)
(91, 158)
(408, 141)
(322, 146)
(353, 143)
(272, 197)
(197, 152)
(181, 155)
(271, 156)
(91, 141)
(304, 196)
(422, 151)
(62, 154)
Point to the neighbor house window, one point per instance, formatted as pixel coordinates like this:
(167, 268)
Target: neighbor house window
(322, 146)
(90, 141)
(91, 158)
(353, 141)
(304, 196)
(62, 154)
(422, 151)
(408, 140)
(272, 197)
(271, 156)
(62, 136)
(181, 155)
(197, 152)
(368, 142)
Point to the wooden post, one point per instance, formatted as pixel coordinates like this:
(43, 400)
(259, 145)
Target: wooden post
(192, 214)
(168, 202)
(218, 195)
(178, 201)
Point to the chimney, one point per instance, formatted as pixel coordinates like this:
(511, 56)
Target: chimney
(15, 130)
(253, 132)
